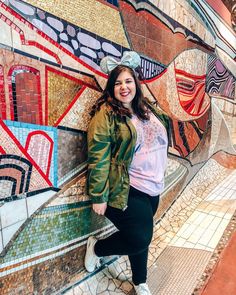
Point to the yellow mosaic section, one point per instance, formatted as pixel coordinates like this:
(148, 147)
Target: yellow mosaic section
(90, 15)
(61, 91)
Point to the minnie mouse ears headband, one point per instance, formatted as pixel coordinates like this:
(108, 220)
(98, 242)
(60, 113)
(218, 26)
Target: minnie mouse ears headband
(130, 59)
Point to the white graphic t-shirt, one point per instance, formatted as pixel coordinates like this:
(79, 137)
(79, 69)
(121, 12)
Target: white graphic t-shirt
(150, 158)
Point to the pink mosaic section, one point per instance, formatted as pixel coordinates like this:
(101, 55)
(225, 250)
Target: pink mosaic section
(2, 95)
(40, 146)
(13, 176)
(12, 146)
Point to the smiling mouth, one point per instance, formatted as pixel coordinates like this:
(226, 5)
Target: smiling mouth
(124, 94)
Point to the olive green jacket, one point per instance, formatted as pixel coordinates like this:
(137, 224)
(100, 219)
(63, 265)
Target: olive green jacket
(111, 144)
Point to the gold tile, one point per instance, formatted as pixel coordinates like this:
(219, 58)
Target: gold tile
(61, 92)
(90, 15)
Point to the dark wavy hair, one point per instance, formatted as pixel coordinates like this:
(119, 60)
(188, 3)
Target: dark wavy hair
(138, 103)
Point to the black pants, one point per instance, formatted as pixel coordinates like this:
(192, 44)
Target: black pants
(135, 230)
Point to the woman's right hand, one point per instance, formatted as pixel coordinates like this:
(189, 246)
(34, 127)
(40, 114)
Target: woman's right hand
(100, 209)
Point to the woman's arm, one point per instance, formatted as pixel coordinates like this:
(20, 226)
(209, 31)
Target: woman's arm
(99, 155)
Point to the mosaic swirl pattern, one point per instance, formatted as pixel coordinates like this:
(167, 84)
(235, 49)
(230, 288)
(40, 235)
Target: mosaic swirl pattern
(191, 90)
(220, 81)
(190, 75)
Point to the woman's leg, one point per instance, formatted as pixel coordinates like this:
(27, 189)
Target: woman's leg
(139, 261)
(135, 226)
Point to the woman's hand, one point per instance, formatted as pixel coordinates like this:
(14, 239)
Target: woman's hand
(100, 209)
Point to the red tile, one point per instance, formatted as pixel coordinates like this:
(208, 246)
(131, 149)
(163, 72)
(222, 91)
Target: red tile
(226, 160)
(132, 21)
(168, 36)
(27, 97)
(155, 32)
(153, 50)
(223, 279)
(138, 42)
(168, 53)
(180, 43)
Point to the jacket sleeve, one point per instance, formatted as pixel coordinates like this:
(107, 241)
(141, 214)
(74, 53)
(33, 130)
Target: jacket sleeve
(99, 155)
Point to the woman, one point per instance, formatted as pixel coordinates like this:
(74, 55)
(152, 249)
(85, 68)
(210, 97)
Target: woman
(127, 156)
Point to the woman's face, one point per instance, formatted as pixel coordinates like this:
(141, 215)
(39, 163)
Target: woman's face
(125, 89)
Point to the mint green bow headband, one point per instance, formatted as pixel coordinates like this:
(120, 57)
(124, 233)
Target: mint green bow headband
(130, 59)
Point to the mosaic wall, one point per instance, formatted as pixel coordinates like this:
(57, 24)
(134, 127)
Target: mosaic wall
(49, 79)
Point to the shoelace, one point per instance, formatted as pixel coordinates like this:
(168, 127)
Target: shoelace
(98, 263)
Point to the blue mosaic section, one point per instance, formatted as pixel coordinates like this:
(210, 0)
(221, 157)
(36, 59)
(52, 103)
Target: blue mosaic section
(113, 2)
(21, 131)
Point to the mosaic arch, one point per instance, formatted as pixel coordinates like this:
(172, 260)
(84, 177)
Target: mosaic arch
(15, 175)
(24, 94)
(49, 79)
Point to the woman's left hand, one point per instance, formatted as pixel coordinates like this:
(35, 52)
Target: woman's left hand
(100, 209)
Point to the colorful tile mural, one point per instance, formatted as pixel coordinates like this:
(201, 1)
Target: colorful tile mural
(49, 79)
(220, 81)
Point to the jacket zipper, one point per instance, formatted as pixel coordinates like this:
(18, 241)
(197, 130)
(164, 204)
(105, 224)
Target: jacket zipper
(124, 167)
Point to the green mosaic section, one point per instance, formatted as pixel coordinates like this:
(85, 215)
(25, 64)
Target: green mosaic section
(54, 226)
